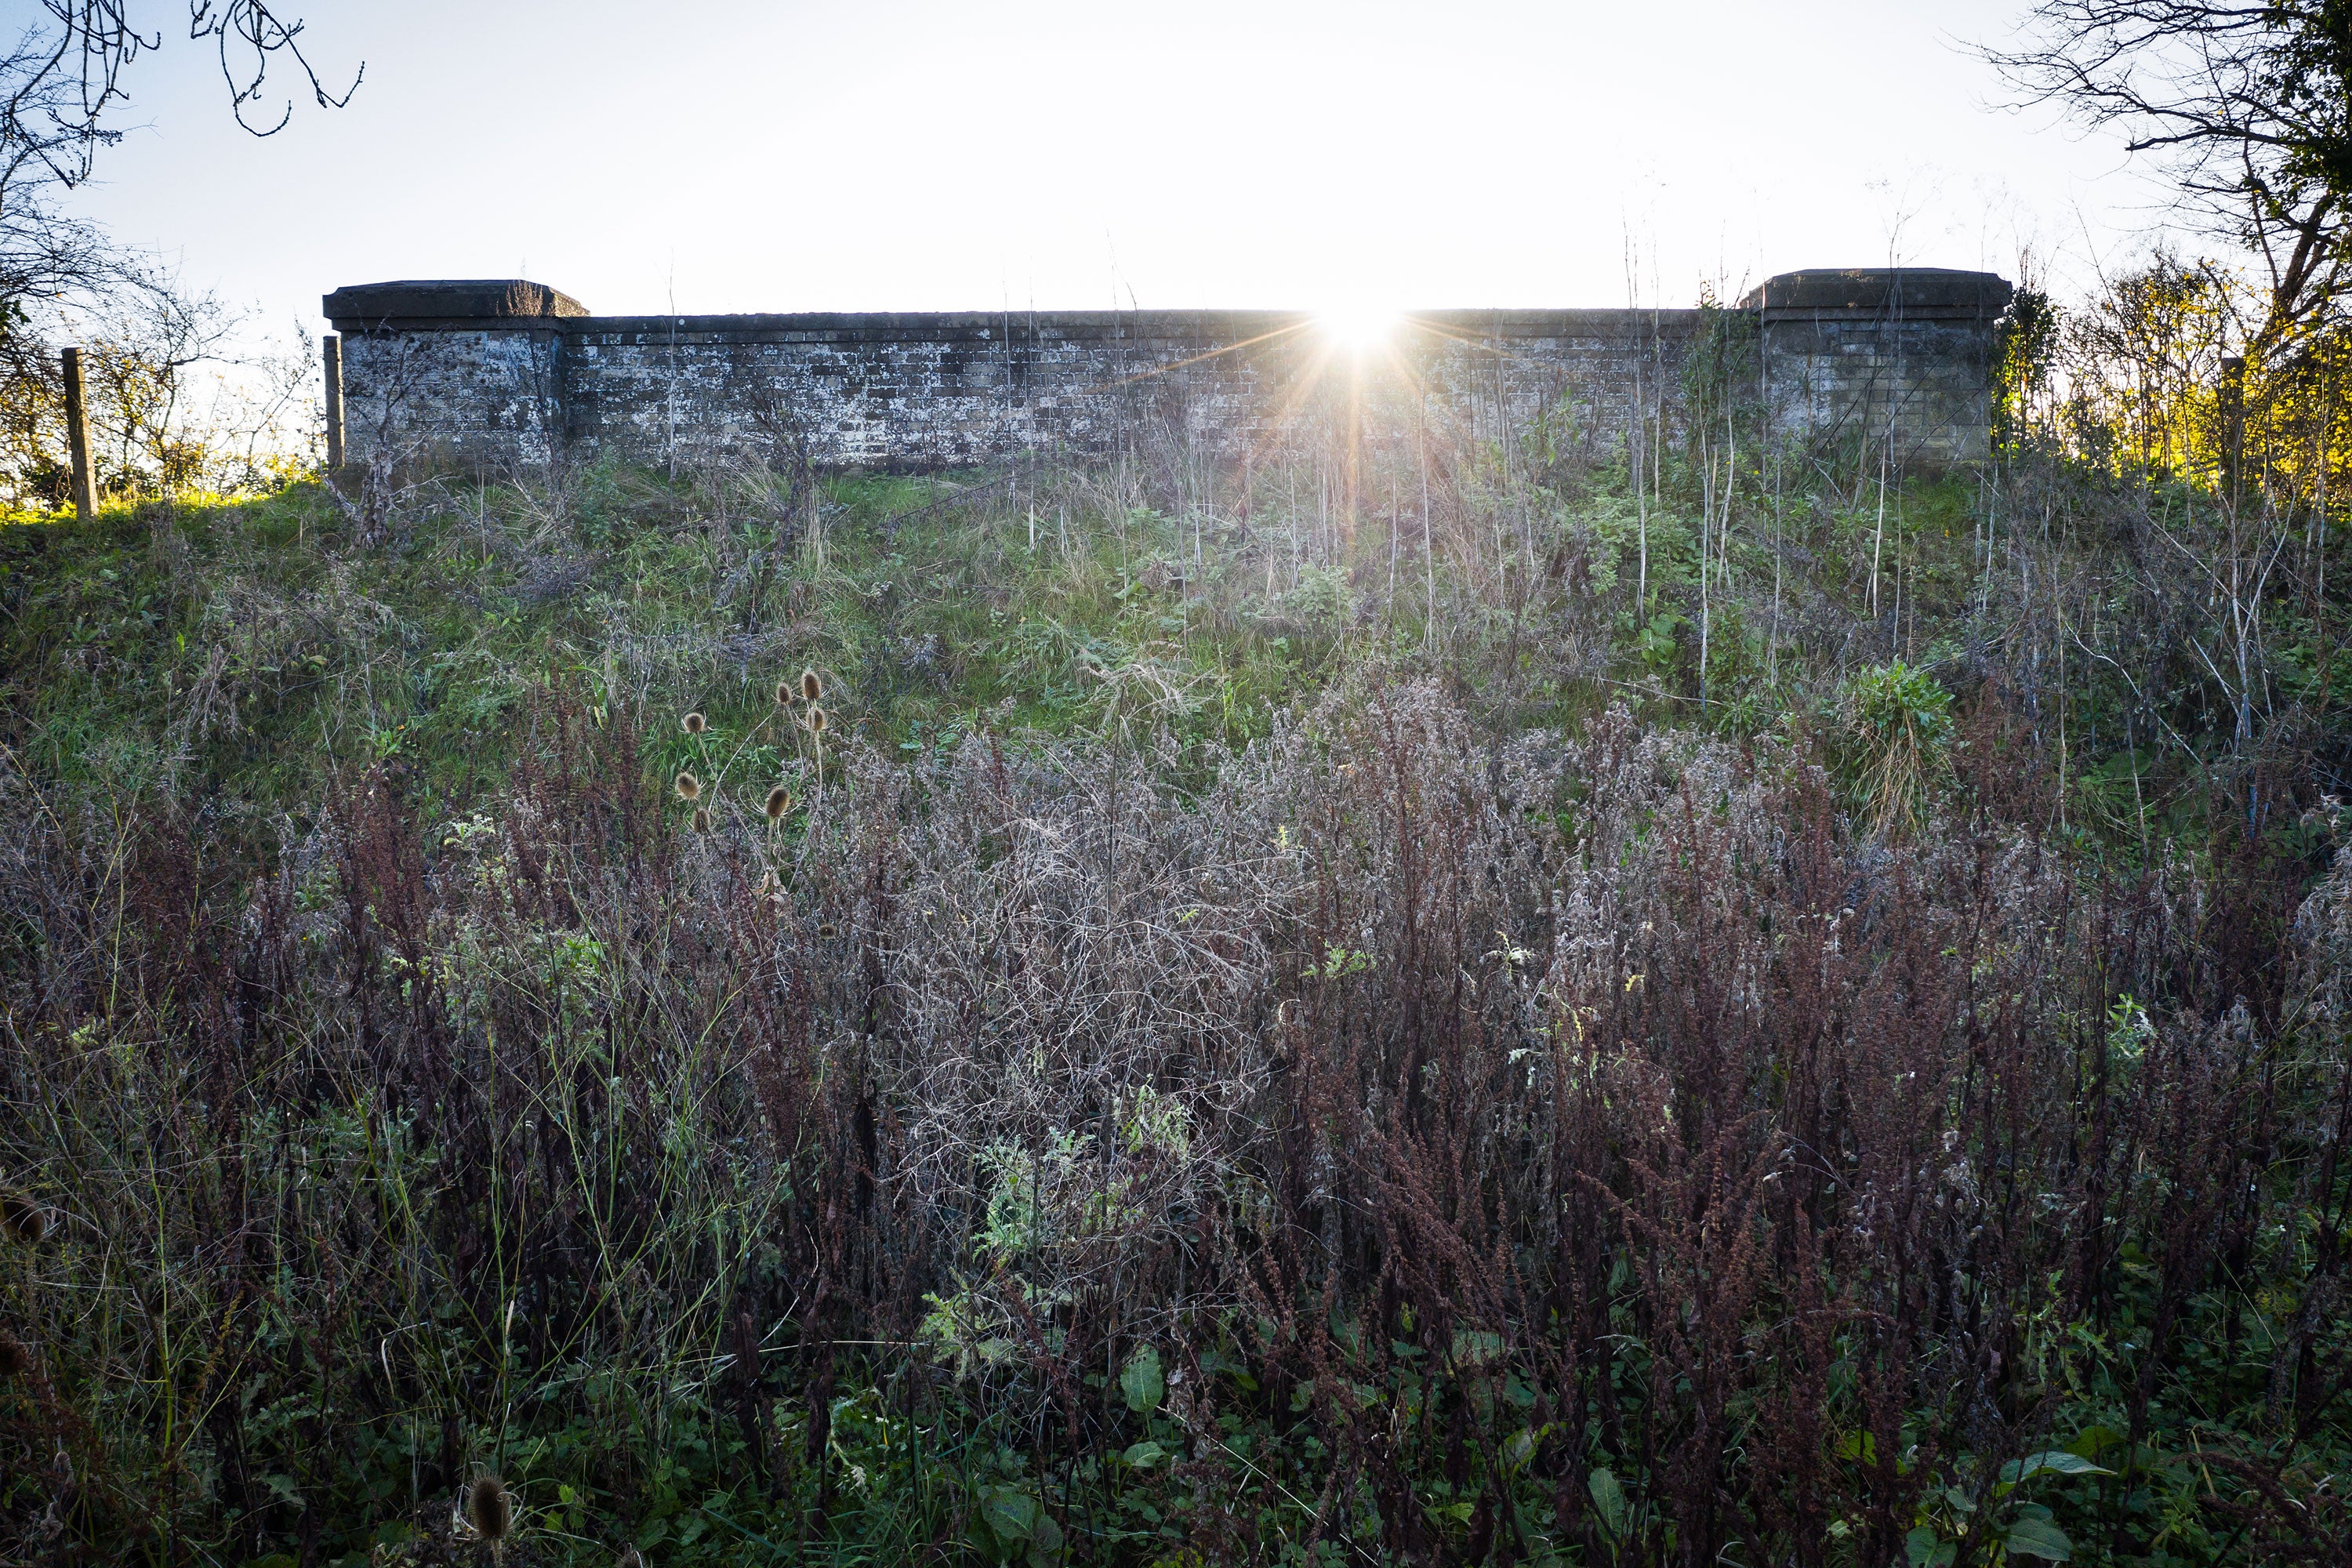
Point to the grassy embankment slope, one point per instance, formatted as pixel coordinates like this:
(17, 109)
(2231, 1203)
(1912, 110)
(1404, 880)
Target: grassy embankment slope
(1229, 1047)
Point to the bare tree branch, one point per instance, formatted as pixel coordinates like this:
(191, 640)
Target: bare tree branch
(2246, 109)
(59, 83)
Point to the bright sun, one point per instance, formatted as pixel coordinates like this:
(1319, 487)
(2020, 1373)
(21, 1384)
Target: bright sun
(1357, 327)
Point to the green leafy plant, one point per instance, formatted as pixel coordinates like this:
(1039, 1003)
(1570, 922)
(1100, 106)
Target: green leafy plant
(1898, 722)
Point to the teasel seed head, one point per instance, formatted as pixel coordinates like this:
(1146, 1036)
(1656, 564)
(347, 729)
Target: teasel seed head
(694, 723)
(784, 700)
(702, 820)
(817, 720)
(688, 786)
(825, 930)
(16, 1357)
(812, 688)
(490, 1508)
(22, 1220)
(779, 801)
(629, 1558)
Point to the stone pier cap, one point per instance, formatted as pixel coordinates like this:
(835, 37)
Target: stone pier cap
(416, 303)
(1905, 293)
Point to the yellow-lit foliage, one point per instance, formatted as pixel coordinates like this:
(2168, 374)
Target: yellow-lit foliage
(2152, 383)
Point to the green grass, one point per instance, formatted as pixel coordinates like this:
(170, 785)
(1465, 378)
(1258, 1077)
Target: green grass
(252, 653)
(927, 618)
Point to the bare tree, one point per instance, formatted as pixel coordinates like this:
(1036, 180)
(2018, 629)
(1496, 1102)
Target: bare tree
(62, 80)
(2245, 108)
(59, 81)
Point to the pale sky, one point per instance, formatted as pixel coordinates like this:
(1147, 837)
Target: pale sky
(911, 154)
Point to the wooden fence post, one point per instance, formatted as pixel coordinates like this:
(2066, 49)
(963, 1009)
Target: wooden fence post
(85, 493)
(330, 355)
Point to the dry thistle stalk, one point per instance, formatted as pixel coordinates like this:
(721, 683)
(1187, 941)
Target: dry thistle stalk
(489, 1510)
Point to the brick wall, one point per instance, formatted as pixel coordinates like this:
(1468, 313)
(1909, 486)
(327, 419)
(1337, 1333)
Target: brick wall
(496, 376)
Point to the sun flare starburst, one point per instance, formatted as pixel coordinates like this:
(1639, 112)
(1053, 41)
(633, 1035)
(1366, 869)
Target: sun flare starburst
(1358, 328)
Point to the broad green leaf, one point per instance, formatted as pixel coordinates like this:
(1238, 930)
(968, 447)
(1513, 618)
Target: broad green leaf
(2055, 1461)
(1859, 1445)
(2039, 1538)
(1145, 1455)
(2093, 1441)
(1142, 1383)
(1924, 1549)
(1010, 1513)
(1610, 1499)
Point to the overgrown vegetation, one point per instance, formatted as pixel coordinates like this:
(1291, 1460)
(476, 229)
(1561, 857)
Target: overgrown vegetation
(1499, 1010)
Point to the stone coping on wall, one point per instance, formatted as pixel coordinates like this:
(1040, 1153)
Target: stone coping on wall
(1902, 293)
(384, 307)
(1237, 328)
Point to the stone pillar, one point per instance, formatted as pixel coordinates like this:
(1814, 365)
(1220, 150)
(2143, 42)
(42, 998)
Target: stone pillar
(460, 373)
(1893, 362)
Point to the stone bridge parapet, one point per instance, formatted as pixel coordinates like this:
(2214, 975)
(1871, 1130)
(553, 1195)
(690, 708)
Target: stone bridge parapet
(503, 375)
